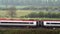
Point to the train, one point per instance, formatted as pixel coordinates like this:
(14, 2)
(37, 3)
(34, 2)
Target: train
(31, 23)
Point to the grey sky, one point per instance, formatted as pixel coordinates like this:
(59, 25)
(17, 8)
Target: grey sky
(29, 2)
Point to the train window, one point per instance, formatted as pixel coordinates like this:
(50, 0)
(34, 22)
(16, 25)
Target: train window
(52, 23)
(47, 23)
(55, 23)
(31, 23)
(17, 22)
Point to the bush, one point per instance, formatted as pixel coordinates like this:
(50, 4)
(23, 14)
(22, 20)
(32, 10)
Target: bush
(43, 15)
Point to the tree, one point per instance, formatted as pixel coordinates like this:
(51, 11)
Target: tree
(41, 14)
(33, 15)
(12, 12)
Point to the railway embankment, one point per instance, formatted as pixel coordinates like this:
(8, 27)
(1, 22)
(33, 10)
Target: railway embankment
(30, 31)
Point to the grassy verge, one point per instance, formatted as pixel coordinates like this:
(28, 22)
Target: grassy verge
(36, 31)
(41, 18)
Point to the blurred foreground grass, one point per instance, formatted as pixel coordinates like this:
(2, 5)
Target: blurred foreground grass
(30, 31)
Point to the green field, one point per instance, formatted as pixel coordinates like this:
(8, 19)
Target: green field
(30, 31)
(19, 13)
(41, 18)
(23, 12)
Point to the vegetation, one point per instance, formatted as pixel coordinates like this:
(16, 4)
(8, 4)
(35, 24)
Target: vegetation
(31, 12)
(19, 13)
(30, 31)
(44, 15)
(12, 12)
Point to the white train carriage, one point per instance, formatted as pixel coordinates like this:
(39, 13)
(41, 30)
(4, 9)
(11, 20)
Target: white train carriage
(17, 23)
(51, 23)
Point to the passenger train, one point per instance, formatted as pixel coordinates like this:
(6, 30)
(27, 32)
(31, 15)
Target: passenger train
(32, 23)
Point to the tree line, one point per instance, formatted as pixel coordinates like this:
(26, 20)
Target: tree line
(43, 15)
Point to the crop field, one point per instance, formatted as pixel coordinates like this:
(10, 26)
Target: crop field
(19, 13)
(23, 12)
(4, 13)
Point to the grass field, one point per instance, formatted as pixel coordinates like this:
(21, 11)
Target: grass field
(23, 12)
(4, 13)
(19, 13)
(30, 31)
(41, 18)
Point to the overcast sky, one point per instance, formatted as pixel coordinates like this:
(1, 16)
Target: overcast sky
(30, 2)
